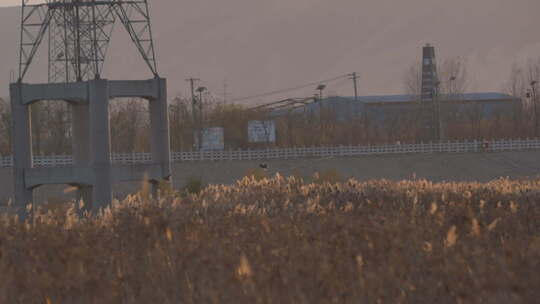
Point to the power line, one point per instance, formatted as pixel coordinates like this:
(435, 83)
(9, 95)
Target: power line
(335, 86)
(289, 89)
(339, 85)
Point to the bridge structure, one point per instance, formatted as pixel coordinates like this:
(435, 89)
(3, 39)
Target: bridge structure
(78, 34)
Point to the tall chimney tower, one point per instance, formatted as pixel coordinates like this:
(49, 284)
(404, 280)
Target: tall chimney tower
(429, 73)
(429, 104)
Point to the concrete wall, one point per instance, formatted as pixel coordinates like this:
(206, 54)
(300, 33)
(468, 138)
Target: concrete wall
(435, 167)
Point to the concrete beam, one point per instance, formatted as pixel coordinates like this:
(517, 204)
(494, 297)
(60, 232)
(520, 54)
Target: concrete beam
(75, 92)
(35, 177)
(134, 173)
(78, 91)
(148, 89)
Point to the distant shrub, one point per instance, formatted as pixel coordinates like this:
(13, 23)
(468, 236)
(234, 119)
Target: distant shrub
(194, 185)
(297, 174)
(257, 173)
(331, 176)
(166, 189)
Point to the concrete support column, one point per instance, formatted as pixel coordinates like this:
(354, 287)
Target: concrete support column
(160, 138)
(81, 146)
(22, 148)
(100, 143)
(84, 194)
(81, 134)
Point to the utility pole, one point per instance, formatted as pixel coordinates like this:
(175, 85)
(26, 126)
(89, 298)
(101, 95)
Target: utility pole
(193, 100)
(533, 88)
(452, 85)
(225, 87)
(438, 122)
(354, 78)
(193, 105)
(321, 88)
(200, 90)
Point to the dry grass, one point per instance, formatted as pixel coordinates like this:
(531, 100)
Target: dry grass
(282, 241)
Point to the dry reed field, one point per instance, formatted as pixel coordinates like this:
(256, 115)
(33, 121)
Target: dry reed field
(281, 240)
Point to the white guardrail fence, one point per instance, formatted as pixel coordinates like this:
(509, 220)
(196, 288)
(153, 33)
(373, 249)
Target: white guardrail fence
(302, 152)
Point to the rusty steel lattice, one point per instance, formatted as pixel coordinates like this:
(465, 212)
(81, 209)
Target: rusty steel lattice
(79, 33)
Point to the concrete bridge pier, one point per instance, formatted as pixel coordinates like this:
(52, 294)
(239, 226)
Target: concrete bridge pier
(22, 148)
(92, 172)
(159, 124)
(100, 143)
(81, 148)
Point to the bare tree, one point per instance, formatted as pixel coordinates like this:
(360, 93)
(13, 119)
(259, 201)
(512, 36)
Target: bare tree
(5, 127)
(519, 85)
(516, 84)
(51, 132)
(130, 125)
(533, 69)
(453, 83)
(474, 115)
(413, 79)
(182, 124)
(453, 76)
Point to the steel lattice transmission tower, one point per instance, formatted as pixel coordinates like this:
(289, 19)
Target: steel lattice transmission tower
(79, 33)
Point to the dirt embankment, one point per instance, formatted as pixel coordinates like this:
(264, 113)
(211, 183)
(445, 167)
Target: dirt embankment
(435, 167)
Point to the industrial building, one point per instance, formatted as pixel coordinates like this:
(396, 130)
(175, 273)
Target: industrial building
(392, 116)
(431, 113)
(378, 109)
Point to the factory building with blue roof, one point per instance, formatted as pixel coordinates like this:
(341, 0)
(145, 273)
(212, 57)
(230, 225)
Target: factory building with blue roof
(431, 115)
(378, 108)
(390, 115)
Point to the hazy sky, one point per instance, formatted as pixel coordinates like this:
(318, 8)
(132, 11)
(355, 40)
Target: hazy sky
(9, 2)
(260, 46)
